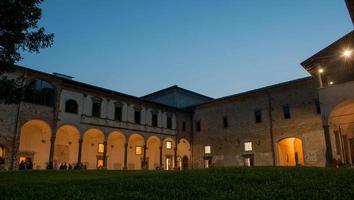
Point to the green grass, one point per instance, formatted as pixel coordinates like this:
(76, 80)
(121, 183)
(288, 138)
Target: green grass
(220, 183)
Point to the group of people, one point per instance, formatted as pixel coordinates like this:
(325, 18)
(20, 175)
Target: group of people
(26, 165)
(66, 166)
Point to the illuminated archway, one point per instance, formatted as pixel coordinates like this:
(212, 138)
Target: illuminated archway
(66, 147)
(35, 143)
(341, 120)
(153, 152)
(183, 154)
(290, 152)
(92, 149)
(168, 153)
(115, 150)
(135, 152)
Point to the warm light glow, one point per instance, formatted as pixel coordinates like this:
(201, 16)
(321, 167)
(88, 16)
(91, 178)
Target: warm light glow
(248, 146)
(290, 152)
(138, 150)
(331, 83)
(347, 53)
(320, 70)
(207, 149)
(168, 145)
(100, 148)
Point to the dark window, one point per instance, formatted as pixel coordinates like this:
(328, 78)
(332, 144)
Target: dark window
(137, 117)
(225, 122)
(198, 126)
(96, 109)
(258, 116)
(183, 126)
(318, 107)
(169, 122)
(286, 112)
(40, 92)
(118, 113)
(154, 120)
(71, 106)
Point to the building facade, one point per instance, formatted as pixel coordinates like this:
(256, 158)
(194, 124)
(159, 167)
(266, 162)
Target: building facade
(308, 121)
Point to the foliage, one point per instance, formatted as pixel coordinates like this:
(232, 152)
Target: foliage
(19, 32)
(218, 183)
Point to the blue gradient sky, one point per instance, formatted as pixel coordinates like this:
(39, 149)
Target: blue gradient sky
(214, 47)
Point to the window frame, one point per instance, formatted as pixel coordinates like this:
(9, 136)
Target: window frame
(167, 146)
(207, 150)
(76, 109)
(96, 113)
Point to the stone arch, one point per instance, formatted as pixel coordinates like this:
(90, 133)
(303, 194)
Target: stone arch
(92, 148)
(183, 154)
(35, 140)
(341, 121)
(115, 150)
(66, 149)
(290, 151)
(168, 153)
(153, 152)
(136, 145)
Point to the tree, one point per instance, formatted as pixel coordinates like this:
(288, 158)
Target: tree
(19, 32)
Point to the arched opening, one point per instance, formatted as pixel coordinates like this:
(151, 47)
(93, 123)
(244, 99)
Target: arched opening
(115, 151)
(66, 147)
(40, 92)
(290, 152)
(184, 154)
(71, 106)
(92, 149)
(153, 152)
(2, 156)
(135, 152)
(168, 154)
(35, 143)
(341, 120)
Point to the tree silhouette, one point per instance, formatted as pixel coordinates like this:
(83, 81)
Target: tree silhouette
(19, 32)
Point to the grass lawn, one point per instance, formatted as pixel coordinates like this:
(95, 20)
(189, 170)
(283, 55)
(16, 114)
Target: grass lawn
(219, 183)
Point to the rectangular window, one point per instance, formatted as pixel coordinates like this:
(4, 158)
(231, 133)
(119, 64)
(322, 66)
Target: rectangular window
(184, 126)
(286, 112)
(225, 122)
(100, 148)
(154, 120)
(198, 126)
(118, 113)
(168, 145)
(318, 107)
(248, 146)
(258, 116)
(96, 109)
(207, 149)
(138, 150)
(169, 122)
(137, 116)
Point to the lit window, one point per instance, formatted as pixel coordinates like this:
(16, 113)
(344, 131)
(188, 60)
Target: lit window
(138, 150)
(207, 149)
(100, 148)
(168, 145)
(248, 146)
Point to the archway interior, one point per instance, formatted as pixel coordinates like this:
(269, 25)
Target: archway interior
(342, 122)
(168, 154)
(183, 154)
(290, 152)
(135, 152)
(35, 143)
(153, 152)
(115, 151)
(92, 149)
(66, 147)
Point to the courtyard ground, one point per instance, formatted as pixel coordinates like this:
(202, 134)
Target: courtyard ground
(218, 183)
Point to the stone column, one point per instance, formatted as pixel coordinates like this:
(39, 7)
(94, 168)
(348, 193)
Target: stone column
(52, 144)
(144, 157)
(125, 156)
(160, 156)
(79, 153)
(105, 155)
(175, 160)
(327, 137)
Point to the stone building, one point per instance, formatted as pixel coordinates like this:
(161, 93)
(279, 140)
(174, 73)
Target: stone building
(309, 121)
